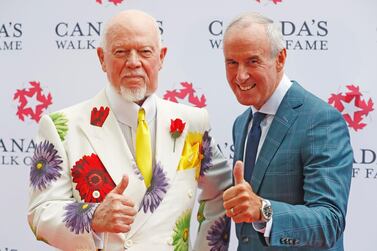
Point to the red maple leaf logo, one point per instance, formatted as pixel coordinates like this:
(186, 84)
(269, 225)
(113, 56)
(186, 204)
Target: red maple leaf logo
(186, 91)
(115, 2)
(353, 98)
(274, 1)
(35, 92)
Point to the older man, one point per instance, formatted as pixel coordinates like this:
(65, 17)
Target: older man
(120, 171)
(293, 157)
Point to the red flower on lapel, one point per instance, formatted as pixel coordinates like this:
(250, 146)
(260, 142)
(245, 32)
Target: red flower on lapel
(176, 128)
(98, 117)
(92, 179)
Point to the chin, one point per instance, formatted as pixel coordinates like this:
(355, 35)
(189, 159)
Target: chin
(243, 102)
(133, 95)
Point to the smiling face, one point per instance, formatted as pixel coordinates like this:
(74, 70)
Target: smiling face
(252, 72)
(132, 56)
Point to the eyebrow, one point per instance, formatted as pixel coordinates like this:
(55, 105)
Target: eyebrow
(253, 57)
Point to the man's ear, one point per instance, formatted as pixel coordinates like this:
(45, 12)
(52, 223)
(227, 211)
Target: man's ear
(280, 59)
(101, 57)
(163, 52)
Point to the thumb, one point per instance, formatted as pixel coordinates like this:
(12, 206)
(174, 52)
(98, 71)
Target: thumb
(119, 189)
(238, 172)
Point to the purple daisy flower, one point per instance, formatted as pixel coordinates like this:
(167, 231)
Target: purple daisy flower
(45, 165)
(207, 153)
(137, 171)
(78, 216)
(157, 190)
(218, 234)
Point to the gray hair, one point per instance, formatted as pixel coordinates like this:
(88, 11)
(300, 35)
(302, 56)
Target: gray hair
(273, 30)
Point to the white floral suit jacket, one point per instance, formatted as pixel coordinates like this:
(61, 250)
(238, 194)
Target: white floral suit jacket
(81, 154)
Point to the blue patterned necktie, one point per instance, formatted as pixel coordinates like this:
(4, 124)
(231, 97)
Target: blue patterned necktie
(252, 145)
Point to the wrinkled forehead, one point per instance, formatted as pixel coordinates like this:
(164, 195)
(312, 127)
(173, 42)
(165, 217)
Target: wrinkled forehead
(250, 31)
(133, 29)
(246, 41)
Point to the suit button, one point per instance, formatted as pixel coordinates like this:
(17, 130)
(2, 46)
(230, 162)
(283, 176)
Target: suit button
(96, 194)
(245, 239)
(190, 193)
(283, 240)
(128, 243)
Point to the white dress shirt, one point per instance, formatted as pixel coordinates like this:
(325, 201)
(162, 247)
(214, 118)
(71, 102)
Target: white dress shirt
(270, 108)
(126, 114)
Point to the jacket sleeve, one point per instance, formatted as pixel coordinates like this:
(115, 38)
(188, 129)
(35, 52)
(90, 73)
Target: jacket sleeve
(53, 214)
(326, 158)
(215, 177)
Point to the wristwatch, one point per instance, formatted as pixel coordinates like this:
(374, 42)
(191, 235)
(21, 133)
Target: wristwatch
(266, 210)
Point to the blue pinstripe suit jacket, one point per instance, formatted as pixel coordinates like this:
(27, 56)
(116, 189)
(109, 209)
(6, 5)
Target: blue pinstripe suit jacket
(304, 168)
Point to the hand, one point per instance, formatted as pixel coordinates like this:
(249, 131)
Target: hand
(240, 202)
(116, 213)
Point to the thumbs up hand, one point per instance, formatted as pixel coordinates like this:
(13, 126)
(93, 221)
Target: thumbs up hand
(121, 187)
(240, 202)
(116, 212)
(238, 173)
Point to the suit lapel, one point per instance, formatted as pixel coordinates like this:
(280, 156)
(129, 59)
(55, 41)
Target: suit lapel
(109, 144)
(164, 156)
(239, 134)
(285, 116)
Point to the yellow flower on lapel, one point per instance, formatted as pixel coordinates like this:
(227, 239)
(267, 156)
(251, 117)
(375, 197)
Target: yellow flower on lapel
(192, 154)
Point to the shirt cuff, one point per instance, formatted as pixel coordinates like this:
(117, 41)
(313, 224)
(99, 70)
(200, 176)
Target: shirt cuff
(98, 239)
(264, 228)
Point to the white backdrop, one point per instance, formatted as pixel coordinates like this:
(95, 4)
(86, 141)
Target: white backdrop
(331, 50)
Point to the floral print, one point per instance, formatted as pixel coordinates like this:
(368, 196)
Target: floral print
(156, 191)
(45, 165)
(182, 232)
(200, 216)
(60, 122)
(207, 153)
(92, 179)
(78, 216)
(218, 234)
(99, 116)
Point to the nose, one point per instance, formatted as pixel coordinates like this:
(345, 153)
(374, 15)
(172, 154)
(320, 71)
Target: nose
(133, 60)
(242, 74)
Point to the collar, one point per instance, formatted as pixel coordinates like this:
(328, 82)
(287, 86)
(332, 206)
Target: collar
(272, 104)
(126, 111)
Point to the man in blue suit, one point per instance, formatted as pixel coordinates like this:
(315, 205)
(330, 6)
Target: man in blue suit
(292, 191)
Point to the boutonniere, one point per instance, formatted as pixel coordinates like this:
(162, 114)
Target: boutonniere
(176, 128)
(98, 117)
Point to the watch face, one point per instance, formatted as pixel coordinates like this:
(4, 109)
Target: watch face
(267, 211)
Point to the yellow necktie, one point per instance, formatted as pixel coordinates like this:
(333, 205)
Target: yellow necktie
(143, 148)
